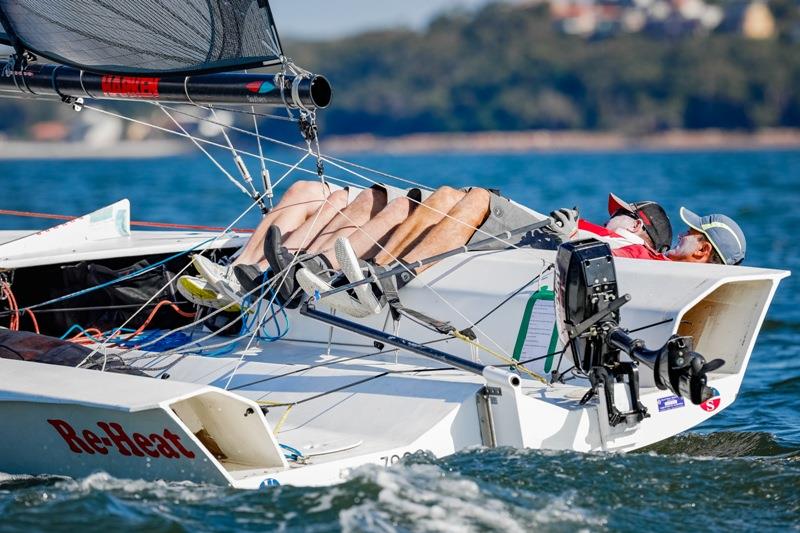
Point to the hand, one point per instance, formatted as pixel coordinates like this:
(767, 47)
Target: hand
(565, 223)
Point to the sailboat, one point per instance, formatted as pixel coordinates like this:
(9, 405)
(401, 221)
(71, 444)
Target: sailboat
(567, 349)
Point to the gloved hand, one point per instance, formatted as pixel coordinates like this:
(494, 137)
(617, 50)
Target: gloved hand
(565, 223)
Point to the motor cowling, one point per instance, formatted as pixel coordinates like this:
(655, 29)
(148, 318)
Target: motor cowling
(588, 308)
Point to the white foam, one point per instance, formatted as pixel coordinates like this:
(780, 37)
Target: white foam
(432, 499)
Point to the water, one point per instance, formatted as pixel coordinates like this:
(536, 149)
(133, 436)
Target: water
(739, 471)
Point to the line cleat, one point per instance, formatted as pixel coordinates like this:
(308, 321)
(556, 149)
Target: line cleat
(313, 285)
(352, 269)
(200, 292)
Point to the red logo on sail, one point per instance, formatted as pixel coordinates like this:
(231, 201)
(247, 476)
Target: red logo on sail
(130, 87)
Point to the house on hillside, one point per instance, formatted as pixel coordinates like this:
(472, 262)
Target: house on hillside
(752, 19)
(673, 18)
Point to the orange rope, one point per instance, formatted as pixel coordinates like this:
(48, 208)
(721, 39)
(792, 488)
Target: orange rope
(94, 332)
(33, 319)
(12, 307)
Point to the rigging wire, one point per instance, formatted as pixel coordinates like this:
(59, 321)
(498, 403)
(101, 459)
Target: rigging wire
(218, 311)
(169, 282)
(206, 152)
(306, 238)
(285, 144)
(320, 172)
(240, 164)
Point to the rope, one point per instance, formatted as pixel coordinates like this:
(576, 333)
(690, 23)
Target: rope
(12, 306)
(508, 360)
(283, 279)
(426, 285)
(333, 161)
(294, 147)
(169, 282)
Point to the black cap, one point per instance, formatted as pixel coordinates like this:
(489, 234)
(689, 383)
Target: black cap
(654, 219)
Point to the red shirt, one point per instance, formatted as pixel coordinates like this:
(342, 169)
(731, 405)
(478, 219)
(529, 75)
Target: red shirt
(621, 246)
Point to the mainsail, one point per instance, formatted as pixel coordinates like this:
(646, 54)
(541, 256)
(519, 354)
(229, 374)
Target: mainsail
(142, 37)
(164, 50)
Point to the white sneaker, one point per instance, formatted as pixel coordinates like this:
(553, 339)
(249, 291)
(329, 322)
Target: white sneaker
(217, 275)
(352, 271)
(313, 285)
(200, 292)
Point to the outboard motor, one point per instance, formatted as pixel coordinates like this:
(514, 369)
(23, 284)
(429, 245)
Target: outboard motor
(588, 305)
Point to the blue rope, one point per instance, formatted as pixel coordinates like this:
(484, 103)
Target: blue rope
(126, 277)
(173, 340)
(294, 454)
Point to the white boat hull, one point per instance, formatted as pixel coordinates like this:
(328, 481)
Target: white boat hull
(61, 417)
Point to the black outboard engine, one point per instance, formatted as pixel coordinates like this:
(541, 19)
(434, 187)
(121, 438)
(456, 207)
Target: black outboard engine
(588, 304)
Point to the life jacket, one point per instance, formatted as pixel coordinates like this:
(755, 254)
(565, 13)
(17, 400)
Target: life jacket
(623, 244)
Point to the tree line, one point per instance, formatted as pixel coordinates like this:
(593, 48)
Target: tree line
(507, 68)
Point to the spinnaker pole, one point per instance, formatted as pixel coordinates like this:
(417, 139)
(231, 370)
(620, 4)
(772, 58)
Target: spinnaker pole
(305, 91)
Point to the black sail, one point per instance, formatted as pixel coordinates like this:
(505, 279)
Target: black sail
(146, 37)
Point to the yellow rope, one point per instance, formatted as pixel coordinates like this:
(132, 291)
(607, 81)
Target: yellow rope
(277, 428)
(512, 362)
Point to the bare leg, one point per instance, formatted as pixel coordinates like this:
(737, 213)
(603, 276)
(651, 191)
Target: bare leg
(423, 218)
(367, 240)
(316, 222)
(299, 202)
(454, 230)
(366, 205)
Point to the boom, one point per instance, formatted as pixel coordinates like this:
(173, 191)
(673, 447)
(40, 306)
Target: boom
(300, 91)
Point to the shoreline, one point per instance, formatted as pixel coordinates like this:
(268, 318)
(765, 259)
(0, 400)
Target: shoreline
(36, 150)
(564, 141)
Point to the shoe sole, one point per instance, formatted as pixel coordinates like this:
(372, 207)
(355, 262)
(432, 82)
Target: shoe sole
(352, 271)
(201, 292)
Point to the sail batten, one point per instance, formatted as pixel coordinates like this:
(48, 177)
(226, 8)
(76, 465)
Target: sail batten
(146, 37)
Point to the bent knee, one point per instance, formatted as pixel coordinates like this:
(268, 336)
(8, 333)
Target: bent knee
(446, 191)
(338, 199)
(371, 196)
(444, 197)
(478, 196)
(399, 208)
(306, 190)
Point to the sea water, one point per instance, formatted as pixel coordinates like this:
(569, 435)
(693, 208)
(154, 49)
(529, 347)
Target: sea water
(738, 471)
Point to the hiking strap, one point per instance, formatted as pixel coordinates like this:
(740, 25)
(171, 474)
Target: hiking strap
(389, 288)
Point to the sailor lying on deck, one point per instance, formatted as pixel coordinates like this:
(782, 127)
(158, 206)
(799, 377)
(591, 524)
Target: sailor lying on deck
(383, 224)
(386, 225)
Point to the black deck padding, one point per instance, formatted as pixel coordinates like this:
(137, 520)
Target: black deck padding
(26, 346)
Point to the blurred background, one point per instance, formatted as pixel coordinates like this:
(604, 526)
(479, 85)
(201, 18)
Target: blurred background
(544, 73)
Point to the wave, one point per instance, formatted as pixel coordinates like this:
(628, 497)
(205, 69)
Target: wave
(724, 444)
